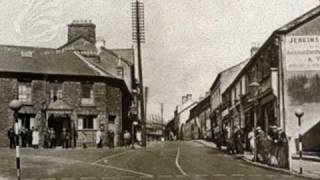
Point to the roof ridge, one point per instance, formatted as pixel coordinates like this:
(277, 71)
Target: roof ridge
(19, 46)
(116, 55)
(92, 67)
(312, 12)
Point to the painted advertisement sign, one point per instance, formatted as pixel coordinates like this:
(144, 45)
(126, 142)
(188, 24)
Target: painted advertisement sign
(302, 53)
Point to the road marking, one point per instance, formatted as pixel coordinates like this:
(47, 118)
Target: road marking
(111, 156)
(177, 163)
(125, 170)
(237, 175)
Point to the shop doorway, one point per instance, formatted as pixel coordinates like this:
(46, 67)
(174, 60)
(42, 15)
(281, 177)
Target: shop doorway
(58, 123)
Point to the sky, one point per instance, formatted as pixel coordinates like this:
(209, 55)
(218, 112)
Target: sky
(188, 42)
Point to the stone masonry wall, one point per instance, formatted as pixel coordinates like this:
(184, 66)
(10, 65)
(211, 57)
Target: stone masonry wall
(114, 107)
(8, 92)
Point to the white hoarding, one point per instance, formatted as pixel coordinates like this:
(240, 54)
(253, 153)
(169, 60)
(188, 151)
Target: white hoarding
(302, 53)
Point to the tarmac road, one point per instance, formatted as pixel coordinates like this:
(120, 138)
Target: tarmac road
(161, 160)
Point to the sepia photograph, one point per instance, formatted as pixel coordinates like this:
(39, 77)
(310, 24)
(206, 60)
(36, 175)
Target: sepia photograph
(159, 89)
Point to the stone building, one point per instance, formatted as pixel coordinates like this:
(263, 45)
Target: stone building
(81, 86)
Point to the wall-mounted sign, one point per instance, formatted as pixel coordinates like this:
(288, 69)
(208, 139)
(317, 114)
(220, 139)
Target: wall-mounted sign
(302, 53)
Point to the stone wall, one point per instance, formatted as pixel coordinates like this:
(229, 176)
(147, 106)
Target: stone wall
(8, 91)
(107, 101)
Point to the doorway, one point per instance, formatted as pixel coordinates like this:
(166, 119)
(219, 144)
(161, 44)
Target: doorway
(58, 124)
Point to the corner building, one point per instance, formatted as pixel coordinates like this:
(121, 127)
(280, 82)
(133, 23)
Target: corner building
(81, 86)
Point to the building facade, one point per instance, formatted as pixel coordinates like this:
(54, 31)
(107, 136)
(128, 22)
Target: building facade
(199, 125)
(285, 71)
(70, 87)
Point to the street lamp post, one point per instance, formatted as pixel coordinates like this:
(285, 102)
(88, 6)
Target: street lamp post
(255, 85)
(299, 113)
(134, 123)
(15, 105)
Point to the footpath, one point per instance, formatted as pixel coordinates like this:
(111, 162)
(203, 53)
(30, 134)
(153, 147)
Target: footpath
(310, 164)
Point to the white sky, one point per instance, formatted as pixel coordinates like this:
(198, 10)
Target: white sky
(187, 41)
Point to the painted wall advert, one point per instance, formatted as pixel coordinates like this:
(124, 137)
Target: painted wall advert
(302, 53)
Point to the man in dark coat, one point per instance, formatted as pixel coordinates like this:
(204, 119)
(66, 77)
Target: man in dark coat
(11, 136)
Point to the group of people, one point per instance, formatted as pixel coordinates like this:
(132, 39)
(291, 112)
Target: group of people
(29, 137)
(100, 138)
(271, 148)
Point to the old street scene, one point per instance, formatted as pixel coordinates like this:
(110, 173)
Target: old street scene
(160, 89)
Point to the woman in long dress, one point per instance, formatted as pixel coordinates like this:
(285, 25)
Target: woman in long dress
(283, 150)
(35, 138)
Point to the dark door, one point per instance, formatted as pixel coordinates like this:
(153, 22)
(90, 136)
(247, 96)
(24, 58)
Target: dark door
(58, 124)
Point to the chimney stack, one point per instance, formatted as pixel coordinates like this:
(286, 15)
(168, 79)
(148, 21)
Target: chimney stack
(82, 28)
(184, 99)
(254, 49)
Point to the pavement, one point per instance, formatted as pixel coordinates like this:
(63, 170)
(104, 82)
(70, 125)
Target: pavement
(161, 160)
(310, 164)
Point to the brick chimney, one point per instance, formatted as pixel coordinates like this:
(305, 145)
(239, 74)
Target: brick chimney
(83, 28)
(254, 48)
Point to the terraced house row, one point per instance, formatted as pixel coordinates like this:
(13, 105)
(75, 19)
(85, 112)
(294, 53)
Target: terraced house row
(281, 76)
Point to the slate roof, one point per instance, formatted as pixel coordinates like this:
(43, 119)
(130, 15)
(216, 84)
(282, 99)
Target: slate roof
(127, 54)
(228, 75)
(44, 62)
(313, 13)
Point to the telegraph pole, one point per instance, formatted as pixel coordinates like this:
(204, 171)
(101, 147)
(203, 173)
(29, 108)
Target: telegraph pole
(161, 113)
(138, 37)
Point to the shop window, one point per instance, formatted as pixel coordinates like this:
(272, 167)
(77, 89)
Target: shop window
(87, 94)
(24, 92)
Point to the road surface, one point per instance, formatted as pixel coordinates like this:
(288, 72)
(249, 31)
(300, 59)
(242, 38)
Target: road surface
(162, 160)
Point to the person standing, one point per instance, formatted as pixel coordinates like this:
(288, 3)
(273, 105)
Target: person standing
(252, 141)
(52, 137)
(283, 149)
(23, 134)
(238, 140)
(111, 139)
(46, 138)
(35, 138)
(11, 137)
(30, 131)
(229, 139)
(126, 137)
(99, 138)
(64, 138)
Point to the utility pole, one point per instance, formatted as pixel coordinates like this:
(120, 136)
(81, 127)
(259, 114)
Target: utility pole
(138, 37)
(161, 110)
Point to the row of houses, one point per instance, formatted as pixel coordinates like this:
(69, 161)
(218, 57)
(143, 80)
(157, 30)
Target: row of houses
(281, 76)
(81, 86)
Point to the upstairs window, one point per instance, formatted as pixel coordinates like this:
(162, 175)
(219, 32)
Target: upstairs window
(56, 91)
(87, 94)
(24, 92)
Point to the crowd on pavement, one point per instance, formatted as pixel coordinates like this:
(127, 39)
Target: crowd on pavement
(269, 148)
(66, 139)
